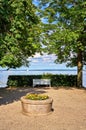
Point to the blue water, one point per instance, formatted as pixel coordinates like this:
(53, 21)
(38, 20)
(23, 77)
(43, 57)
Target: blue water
(4, 74)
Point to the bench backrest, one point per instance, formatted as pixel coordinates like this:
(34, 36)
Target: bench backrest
(41, 82)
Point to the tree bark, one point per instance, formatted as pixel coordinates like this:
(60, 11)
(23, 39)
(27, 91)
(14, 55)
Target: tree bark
(79, 69)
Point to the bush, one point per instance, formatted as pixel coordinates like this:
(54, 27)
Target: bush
(56, 80)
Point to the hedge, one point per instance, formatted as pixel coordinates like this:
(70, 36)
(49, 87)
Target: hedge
(27, 80)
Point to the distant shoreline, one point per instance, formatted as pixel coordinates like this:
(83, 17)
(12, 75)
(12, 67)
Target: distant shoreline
(45, 70)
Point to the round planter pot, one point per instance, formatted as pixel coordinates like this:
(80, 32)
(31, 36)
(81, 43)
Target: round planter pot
(36, 107)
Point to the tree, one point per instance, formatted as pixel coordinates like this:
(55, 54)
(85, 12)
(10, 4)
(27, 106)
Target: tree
(20, 30)
(65, 31)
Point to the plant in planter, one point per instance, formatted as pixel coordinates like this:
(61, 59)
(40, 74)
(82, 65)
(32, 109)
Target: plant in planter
(36, 104)
(34, 96)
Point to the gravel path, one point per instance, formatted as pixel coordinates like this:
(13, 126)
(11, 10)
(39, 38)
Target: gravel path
(69, 110)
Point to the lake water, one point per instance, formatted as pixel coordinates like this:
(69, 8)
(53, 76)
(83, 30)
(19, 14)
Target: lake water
(4, 74)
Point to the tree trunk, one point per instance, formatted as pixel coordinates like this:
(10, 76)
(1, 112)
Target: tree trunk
(79, 69)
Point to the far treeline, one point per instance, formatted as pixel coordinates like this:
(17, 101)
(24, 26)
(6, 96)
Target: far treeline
(52, 26)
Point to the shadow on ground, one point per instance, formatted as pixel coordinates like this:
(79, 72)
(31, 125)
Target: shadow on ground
(9, 95)
(68, 88)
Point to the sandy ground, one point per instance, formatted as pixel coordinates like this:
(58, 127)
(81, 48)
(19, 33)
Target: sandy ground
(69, 113)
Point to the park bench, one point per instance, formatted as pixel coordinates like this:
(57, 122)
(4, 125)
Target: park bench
(41, 82)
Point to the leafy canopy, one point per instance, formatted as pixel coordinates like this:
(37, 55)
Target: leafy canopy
(65, 28)
(20, 30)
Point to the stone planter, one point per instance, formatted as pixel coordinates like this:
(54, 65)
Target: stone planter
(36, 107)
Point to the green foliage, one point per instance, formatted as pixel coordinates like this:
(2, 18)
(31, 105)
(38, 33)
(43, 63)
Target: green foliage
(56, 80)
(65, 31)
(20, 30)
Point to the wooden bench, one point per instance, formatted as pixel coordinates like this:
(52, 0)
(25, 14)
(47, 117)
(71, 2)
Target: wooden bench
(41, 82)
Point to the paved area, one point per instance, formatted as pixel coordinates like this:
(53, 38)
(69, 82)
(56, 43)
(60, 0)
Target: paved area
(69, 113)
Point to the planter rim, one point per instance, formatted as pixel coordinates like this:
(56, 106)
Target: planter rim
(49, 100)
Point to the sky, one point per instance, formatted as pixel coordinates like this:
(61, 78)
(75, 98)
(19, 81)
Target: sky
(41, 62)
(45, 62)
